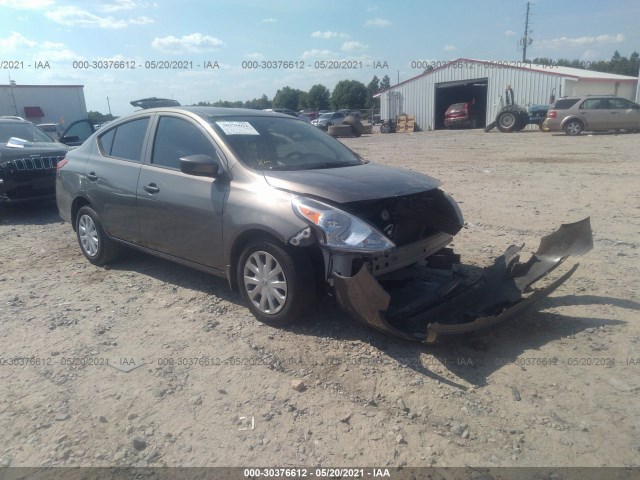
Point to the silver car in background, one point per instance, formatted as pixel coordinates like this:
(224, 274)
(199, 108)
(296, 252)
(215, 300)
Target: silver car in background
(594, 113)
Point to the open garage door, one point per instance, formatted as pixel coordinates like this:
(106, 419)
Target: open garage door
(473, 92)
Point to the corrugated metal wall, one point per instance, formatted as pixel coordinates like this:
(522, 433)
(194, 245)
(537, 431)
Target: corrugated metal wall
(56, 102)
(417, 97)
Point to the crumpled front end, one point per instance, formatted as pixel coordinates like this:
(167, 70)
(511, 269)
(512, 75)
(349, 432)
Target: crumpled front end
(422, 304)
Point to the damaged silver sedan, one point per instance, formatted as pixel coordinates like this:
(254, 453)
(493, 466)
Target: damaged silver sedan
(286, 213)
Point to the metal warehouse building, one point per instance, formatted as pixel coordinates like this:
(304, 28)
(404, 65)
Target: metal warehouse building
(427, 96)
(44, 103)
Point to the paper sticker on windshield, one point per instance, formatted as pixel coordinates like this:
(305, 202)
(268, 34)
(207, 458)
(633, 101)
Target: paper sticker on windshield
(237, 128)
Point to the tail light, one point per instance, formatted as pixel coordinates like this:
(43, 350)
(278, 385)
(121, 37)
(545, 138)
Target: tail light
(552, 114)
(61, 164)
(466, 108)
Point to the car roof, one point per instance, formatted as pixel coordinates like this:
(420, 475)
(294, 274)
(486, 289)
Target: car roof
(13, 120)
(213, 112)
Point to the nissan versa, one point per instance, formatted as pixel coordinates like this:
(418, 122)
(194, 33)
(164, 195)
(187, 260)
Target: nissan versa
(284, 212)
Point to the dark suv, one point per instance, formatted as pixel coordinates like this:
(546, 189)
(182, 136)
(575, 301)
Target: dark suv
(28, 160)
(573, 115)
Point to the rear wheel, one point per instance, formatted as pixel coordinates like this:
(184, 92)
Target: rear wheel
(276, 284)
(573, 127)
(511, 119)
(94, 242)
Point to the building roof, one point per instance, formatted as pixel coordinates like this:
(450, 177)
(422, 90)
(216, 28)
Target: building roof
(41, 86)
(575, 73)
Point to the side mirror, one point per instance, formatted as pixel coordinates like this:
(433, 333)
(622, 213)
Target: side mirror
(200, 165)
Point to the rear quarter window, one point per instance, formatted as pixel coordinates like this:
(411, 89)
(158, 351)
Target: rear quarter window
(564, 103)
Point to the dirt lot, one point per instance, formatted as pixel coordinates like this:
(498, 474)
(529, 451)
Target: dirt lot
(558, 386)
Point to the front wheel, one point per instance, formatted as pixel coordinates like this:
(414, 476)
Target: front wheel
(276, 284)
(96, 246)
(573, 127)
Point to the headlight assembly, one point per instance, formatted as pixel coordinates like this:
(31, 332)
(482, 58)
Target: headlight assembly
(341, 230)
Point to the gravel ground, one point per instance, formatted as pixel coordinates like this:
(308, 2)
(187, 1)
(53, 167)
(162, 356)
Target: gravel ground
(194, 380)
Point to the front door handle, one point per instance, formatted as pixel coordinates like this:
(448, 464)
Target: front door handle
(151, 188)
(92, 176)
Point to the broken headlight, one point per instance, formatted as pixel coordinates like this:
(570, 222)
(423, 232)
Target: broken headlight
(341, 230)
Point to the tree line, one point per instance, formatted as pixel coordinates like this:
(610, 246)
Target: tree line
(350, 94)
(618, 64)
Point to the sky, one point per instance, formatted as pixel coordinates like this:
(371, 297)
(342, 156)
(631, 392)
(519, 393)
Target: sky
(238, 50)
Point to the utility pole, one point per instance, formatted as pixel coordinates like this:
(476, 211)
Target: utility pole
(109, 105)
(526, 39)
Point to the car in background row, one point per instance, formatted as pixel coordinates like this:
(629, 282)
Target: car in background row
(286, 111)
(595, 113)
(54, 130)
(28, 160)
(325, 120)
(461, 115)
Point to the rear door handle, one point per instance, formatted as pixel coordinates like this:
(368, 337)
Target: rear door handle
(151, 188)
(92, 176)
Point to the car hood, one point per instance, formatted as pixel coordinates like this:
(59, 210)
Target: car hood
(350, 184)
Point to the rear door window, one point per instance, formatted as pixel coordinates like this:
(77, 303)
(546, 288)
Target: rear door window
(126, 140)
(593, 104)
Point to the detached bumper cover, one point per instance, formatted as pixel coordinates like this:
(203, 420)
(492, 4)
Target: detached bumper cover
(458, 305)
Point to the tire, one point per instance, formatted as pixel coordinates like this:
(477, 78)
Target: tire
(356, 126)
(279, 297)
(511, 119)
(385, 128)
(340, 131)
(96, 246)
(573, 127)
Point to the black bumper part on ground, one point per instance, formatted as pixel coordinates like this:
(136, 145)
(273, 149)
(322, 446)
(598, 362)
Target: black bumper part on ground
(457, 305)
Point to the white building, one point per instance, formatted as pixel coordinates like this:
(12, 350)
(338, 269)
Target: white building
(44, 103)
(428, 95)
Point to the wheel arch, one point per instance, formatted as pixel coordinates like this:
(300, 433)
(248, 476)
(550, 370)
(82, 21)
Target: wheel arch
(578, 119)
(76, 205)
(313, 253)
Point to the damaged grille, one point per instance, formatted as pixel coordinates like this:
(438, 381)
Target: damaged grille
(408, 219)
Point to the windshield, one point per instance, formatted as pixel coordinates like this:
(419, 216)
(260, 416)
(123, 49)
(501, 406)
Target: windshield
(25, 131)
(271, 143)
(325, 116)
